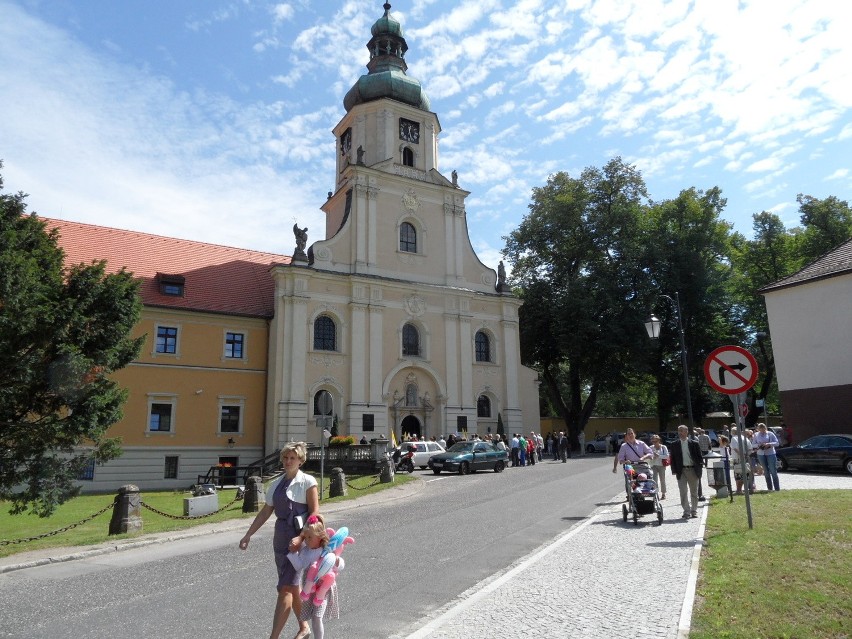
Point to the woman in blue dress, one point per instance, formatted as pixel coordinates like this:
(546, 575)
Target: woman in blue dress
(293, 497)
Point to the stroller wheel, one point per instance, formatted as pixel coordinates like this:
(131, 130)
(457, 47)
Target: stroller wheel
(624, 512)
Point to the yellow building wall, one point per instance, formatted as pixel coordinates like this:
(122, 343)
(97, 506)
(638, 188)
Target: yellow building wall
(198, 379)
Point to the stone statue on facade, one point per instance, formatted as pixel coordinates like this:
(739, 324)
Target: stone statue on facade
(455, 175)
(501, 278)
(301, 242)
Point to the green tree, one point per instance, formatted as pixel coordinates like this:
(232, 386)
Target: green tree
(771, 255)
(63, 331)
(689, 257)
(577, 262)
(827, 224)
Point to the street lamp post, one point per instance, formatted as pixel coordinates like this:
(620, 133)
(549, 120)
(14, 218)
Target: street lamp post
(653, 328)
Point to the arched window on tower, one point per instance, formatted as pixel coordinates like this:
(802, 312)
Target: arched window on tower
(407, 238)
(410, 340)
(483, 406)
(483, 347)
(325, 334)
(407, 157)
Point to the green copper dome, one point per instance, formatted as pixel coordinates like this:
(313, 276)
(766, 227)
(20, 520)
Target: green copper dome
(386, 76)
(387, 24)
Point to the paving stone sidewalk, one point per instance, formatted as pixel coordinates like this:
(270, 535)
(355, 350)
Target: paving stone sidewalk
(599, 579)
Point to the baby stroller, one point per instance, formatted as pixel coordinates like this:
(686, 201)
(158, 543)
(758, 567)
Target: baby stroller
(641, 491)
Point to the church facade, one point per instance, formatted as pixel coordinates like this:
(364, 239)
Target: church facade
(390, 324)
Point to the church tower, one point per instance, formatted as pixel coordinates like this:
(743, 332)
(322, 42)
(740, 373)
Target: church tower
(391, 323)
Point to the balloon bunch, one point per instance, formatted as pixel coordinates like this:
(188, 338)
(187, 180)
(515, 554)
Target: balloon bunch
(322, 574)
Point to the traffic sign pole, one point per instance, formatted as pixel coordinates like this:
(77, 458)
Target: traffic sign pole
(738, 401)
(733, 370)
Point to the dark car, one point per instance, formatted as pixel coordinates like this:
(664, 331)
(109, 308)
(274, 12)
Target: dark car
(821, 452)
(465, 457)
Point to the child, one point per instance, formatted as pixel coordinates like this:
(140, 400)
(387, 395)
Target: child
(315, 538)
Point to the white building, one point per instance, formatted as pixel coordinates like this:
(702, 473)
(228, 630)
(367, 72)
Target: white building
(810, 320)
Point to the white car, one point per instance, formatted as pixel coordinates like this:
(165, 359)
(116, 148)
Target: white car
(424, 451)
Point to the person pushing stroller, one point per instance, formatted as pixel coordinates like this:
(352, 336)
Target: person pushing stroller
(632, 450)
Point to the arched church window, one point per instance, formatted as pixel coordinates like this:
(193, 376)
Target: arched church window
(483, 347)
(323, 404)
(325, 334)
(410, 340)
(483, 406)
(407, 238)
(407, 157)
(411, 395)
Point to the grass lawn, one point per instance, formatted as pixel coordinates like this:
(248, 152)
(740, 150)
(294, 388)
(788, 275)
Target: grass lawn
(96, 531)
(788, 577)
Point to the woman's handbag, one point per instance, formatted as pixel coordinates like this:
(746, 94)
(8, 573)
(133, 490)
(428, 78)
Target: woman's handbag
(667, 461)
(299, 522)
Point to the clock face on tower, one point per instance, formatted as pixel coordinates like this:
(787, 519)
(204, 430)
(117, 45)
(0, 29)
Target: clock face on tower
(346, 141)
(409, 131)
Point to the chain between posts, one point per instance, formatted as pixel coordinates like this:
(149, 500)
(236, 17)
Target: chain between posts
(8, 542)
(375, 481)
(187, 517)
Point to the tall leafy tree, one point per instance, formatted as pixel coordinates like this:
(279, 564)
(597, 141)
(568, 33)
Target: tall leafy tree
(771, 255)
(689, 259)
(63, 331)
(576, 259)
(827, 224)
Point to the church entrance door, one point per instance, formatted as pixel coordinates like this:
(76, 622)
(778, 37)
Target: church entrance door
(410, 426)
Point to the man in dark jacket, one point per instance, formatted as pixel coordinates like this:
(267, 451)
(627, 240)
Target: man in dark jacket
(687, 461)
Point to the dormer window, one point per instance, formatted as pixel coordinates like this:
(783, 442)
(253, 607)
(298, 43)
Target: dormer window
(171, 284)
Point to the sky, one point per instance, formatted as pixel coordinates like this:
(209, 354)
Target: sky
(211, 120)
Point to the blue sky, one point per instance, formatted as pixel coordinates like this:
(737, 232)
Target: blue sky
(212, 120)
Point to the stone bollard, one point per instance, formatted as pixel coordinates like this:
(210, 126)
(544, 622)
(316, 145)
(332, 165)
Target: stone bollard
(127, 511)
(337, 488)
(386, 470)
(253, 498)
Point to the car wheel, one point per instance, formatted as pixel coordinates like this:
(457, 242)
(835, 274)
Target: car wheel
(782, 464)
(590, 449)
(848, 465)
(437, 471)
(423, 467)
(499, 466)
(464, 468)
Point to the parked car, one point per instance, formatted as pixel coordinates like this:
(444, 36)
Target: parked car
(821, 452)
(669, 437)
(596, 445)
(423, 452)
(779, 433)
(466, 457)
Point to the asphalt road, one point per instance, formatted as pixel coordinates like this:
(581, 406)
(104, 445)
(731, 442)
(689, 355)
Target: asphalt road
(411, 558)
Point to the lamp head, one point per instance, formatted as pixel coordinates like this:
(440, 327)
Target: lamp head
(652, 325)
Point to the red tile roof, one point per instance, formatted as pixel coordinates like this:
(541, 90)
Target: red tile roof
(219, 279)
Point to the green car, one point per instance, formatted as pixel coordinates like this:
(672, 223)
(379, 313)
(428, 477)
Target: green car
(466, 457)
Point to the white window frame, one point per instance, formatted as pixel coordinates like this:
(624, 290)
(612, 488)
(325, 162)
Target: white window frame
(225, 357)
(157, 327)
(230, 400)
(161, 398)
